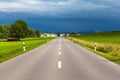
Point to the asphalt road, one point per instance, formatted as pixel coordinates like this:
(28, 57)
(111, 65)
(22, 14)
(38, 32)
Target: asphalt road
(60, 59)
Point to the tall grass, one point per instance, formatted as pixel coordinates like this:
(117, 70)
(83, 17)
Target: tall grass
(12, 49)
(110, 49)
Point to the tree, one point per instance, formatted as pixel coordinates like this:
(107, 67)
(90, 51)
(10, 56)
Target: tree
(4, 30)
(37, 32)
(19, 28)
(31, 33)
(73, 33)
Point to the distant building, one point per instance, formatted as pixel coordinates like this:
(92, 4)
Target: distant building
(67, 34)
(61, 35)
(48, 35)
(78, 34)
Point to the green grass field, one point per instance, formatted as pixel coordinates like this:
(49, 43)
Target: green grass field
(110, 37)
(108, 44)
(11, 49)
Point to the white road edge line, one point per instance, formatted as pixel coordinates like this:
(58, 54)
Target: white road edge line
(59, 64)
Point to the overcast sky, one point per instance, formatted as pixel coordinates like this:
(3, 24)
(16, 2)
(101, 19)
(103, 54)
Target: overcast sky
(91, 12)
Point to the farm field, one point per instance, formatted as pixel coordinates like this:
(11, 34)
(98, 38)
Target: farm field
(110, 37)
(11, 49)
(108, 44)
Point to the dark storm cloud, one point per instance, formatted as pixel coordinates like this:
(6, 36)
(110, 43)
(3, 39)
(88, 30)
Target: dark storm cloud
(63, 15)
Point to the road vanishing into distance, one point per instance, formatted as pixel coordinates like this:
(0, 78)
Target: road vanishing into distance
(59, 59)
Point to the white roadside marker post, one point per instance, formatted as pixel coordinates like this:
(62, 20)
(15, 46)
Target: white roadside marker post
(24, 48)
(95, 46)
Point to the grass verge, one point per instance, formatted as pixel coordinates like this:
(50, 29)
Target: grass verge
(107, 51)
(9, 50)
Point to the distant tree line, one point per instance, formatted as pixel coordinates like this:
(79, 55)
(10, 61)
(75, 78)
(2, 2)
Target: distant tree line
(73, 34)
(18, 28)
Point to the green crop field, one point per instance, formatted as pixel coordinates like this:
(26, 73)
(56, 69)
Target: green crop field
(12, 49)
(110, 37)
(108, 44)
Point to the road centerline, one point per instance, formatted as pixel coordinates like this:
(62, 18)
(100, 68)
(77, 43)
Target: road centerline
(59, 53)
(59, 64)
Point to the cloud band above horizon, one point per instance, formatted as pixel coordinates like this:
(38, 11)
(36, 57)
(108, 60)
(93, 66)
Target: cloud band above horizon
(62, 7)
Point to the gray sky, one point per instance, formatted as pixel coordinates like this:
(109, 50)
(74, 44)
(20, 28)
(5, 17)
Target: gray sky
(66, 15)
(63, 7)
